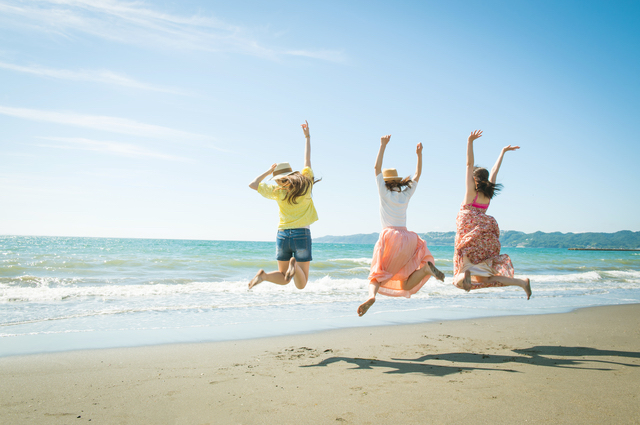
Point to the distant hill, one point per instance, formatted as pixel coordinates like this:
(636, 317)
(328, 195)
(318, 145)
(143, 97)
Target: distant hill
(624, 239)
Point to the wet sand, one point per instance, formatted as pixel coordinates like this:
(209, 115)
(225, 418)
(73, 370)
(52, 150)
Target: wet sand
(578, 367)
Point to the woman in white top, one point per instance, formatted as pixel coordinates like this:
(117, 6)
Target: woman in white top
(401, 263)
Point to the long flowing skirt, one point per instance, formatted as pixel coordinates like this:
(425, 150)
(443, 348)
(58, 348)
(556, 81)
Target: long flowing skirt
(397, 254)
(477, 248)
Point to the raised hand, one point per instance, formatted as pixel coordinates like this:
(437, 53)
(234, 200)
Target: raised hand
(305, 128)
(510, 148)
(475, 135)
(384, 140)
(419, 149)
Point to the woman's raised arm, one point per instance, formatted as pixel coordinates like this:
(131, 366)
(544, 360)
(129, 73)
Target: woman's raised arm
(307, 144)
(416, 177)
(384, 140)
(470, 182)
(256, 182)
(496, 166)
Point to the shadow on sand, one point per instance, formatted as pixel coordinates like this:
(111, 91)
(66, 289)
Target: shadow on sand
(546, 356)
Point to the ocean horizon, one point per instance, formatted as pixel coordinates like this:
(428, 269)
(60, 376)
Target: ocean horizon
(73, 293)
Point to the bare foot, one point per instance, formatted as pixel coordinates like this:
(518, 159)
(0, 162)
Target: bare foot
(257, 279)
(291, 271)
(466, 282)
(435, 272)
(364, 307)
(527, 288)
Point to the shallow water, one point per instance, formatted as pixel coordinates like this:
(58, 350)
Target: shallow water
(60, 293)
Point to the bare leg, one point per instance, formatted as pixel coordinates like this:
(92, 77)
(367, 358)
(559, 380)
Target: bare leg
(373, 291)
(417, 276)
(301, 274)
(273, 277)
(510, 281)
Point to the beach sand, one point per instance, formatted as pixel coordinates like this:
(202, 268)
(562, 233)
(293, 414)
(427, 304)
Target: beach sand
(578, 367)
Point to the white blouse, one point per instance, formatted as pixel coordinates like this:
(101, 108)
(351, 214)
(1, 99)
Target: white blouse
(393, 205)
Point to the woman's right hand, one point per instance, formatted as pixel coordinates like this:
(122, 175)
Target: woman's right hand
(474, 135)
(273, 167)
(305, 129)
(510, 148)
(384, 140)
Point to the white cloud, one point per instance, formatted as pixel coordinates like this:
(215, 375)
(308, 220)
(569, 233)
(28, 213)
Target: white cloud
(105, 123)
(135, 23)
(100, 76)
(116, 148)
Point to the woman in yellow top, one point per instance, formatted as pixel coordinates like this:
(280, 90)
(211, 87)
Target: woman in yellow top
(293, 195)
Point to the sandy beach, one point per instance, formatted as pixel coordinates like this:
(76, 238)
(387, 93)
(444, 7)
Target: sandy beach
(578, 367)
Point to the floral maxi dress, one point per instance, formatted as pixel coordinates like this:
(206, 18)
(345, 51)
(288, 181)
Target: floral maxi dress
(477, 247)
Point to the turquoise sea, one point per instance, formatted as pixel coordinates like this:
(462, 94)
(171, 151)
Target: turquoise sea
(63, 293)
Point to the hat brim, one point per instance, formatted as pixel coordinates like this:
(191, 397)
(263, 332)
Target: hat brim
(279, 176)
(391, 179)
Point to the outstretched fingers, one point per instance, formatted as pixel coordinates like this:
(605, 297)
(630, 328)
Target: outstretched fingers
(476, 134)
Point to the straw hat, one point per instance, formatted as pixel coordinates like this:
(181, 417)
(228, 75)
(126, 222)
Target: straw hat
(390, 175)
(283, 169)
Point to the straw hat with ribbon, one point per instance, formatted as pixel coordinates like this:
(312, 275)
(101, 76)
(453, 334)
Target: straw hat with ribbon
(283, 169)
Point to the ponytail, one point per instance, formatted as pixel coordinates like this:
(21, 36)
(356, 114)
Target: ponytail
(483, 185)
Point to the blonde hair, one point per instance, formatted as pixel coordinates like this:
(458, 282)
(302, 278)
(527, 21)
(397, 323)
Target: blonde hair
(296, 186)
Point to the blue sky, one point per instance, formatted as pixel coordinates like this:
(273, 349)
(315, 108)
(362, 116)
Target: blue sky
(149, 119)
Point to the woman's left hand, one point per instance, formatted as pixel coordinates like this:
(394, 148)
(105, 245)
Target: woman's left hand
(419, 149)
(305, 129)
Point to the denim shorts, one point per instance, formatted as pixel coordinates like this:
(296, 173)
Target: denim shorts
(293, 243)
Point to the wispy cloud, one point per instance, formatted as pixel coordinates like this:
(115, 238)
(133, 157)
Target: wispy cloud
(104, 123)
(115, 148)
(136, 23)
(100, 76)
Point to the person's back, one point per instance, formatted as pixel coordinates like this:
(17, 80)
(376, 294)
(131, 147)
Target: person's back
(394, 201)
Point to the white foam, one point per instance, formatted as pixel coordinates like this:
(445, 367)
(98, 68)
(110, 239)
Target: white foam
(363, 261)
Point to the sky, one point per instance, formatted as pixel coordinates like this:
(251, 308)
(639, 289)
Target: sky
(149, 119)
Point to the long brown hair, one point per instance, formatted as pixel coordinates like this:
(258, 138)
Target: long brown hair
(296, 186)
(398, 185)
(483, 185)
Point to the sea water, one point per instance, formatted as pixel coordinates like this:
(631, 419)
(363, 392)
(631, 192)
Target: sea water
(63, 293)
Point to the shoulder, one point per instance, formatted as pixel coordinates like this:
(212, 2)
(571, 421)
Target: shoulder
(267, 190)
(307, 172)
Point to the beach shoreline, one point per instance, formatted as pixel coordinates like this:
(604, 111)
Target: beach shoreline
(577, 367)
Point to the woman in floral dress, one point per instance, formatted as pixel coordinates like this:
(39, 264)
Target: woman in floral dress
(477, 262)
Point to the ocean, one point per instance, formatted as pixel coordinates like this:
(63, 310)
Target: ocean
(67, 293)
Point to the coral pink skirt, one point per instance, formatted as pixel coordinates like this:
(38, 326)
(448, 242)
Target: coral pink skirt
(397, 254)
